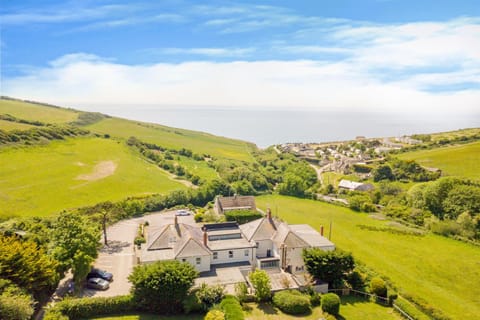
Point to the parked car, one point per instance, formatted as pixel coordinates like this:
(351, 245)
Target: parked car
(182, 212)
(98, 273)
(98, 284)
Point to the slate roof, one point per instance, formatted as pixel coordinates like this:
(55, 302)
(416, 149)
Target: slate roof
(236, 202)
(301, 235)
(172, 241)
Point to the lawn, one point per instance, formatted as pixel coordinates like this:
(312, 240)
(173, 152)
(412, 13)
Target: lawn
(442, 271)
(29, 111)
(42, 180)
(145, 316)
(352, 308)
(460, 160)
(10, 125)
(198, 142)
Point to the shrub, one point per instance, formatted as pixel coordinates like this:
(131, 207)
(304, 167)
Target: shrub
(241, 290)
(214, 315)
(261, 284)
(198, 217)
(378, 287)
(90, 307)
(391, 298)
(139, 240)
(242, 216)
(356, 280)
(191, 303)
(209, 295)
(411, 309)
(292, 302)
(16, 307)
(231, 308)
(315, 299)
(331, 303)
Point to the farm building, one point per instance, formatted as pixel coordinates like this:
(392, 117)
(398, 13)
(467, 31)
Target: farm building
(355, 186)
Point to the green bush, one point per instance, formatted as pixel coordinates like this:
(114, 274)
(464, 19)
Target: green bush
(331, 303)
(198, 217)
(214, 315)
(96, 306)
(242, 216)
(231, 308)
(209, 295)
(54, 314)
(378, 287)
(315, 299)
(292, 302)
(241, 290)
(391, 298)
(410, 309)
(191, 303)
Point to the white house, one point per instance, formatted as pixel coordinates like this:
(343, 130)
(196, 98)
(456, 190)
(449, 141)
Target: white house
(266, 243)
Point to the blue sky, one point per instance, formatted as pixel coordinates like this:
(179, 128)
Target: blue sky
(373, 54)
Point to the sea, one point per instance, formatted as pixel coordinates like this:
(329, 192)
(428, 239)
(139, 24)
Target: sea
(266, 127)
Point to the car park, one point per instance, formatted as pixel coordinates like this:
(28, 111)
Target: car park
(98, 273)
(98, 284)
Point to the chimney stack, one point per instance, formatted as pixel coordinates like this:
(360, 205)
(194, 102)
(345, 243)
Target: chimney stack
(269, 213)
(321, 230)
(205, 238)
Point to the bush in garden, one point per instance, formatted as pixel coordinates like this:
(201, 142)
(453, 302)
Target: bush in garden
(292, 302)
(214, 315)
(331, 303)
(231, 308)
(378, 287)
(209, 295)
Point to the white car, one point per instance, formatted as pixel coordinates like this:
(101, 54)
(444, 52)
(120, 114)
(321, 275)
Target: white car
(182, 212)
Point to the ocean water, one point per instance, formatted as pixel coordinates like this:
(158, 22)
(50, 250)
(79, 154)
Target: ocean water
(267, 127)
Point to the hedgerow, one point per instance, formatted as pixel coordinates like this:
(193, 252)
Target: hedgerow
(292, 302)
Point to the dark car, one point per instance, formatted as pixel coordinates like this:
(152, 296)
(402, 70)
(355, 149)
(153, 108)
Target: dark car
(97, 283)
(98, 273)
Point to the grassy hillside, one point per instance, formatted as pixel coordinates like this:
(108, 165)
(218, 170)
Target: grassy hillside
(442, 271)
(460, 160)
(41, 180)
(35, 112)
(9, 125)
(198, 142)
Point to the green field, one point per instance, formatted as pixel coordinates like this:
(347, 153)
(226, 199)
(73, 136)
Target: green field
(442, 271)
(167, 137)
(35, 112)
(41, 180)
(199, 168)
(461, 160)
(10, 125)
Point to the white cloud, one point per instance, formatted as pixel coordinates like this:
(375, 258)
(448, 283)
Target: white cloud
(213, 52)
(303, 84)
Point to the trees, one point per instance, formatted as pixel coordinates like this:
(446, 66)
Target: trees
(261, 284)
(329, 266)
(162, 286)
(383, 172)
(74, 244)
(27, 266)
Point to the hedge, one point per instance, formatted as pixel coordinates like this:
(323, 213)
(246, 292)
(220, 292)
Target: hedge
(292, 302)
(231, 308)
(410, 309)
(91, 307)
(331, 303)
(242, 216)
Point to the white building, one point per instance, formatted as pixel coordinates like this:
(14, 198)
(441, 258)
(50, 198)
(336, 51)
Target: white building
(355, 186)
(266, 243)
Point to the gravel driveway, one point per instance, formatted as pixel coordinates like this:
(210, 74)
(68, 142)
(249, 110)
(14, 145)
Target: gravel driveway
(119, 257)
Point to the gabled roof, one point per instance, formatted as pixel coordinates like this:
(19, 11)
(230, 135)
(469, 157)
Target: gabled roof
(347, 184)
(236, 202)
(311, 236)
(181, 239)
(260, 229)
